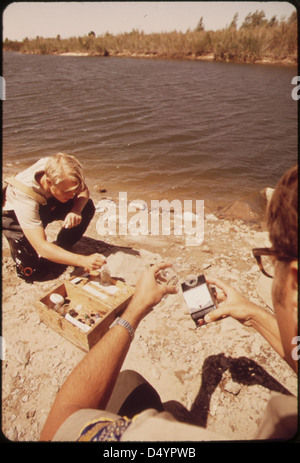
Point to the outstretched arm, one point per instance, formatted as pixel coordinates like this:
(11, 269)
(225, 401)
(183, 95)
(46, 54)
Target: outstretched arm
(50, 251)
(91, 383)
(233, 304)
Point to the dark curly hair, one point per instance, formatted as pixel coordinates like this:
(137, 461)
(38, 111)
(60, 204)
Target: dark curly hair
(282, 215)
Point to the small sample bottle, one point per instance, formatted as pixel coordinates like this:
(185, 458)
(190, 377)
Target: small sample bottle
(57, 301)
(105, 276)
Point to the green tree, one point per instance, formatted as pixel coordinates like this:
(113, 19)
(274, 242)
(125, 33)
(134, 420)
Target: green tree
(273, 22)
(200, 25)
(233, 24)
(256, 19)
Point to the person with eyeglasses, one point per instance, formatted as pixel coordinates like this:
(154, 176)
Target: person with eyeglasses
(98, 403)
(53, 188)
(280, 262)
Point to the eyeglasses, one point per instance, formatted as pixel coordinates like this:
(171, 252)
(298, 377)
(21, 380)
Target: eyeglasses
(265, 258)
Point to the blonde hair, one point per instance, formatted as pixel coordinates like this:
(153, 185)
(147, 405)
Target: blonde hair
(62, 167)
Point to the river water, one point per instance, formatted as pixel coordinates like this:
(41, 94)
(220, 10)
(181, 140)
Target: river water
(155, 128)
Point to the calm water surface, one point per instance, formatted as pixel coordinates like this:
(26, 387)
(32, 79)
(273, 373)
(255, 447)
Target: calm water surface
(158, 128)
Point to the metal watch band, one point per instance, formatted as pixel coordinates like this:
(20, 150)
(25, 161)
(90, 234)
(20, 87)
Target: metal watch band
(125, 324)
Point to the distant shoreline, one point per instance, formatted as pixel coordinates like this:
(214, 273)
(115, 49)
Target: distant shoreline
(288, 61)
(205, 57)
(257, 41)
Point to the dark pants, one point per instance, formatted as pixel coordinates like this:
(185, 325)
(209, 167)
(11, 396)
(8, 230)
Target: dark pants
(29, 265)
(132, 394)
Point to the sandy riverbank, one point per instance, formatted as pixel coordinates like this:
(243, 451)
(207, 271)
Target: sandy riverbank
(268, 60)
(224, 373)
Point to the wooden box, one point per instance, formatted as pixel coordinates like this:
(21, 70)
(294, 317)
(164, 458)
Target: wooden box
(88, 311)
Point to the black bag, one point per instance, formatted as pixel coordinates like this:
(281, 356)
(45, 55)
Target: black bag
(26, 260)
(25, 257)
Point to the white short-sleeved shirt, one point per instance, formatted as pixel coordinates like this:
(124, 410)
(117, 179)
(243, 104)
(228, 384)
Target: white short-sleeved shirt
(25, 207)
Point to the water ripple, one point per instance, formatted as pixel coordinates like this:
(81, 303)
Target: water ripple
(212, 128)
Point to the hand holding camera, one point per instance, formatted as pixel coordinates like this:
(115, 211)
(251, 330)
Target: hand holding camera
(233, 304)
(200, 297)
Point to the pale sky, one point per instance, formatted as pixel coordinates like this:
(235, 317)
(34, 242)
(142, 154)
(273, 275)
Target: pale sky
(48, 19)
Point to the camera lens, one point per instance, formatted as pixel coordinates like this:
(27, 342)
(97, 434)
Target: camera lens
(191, 281)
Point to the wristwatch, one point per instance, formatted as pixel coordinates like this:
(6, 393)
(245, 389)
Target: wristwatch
(125, 324)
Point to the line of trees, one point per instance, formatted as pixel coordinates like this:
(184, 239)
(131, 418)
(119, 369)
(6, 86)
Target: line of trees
(256, 39)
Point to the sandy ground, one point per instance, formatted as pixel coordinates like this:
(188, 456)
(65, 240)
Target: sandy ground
(223, 374)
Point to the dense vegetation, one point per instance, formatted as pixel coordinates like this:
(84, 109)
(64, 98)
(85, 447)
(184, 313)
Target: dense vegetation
(256, 39)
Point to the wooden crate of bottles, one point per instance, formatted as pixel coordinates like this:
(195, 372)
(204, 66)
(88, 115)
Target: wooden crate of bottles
(88, 308)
